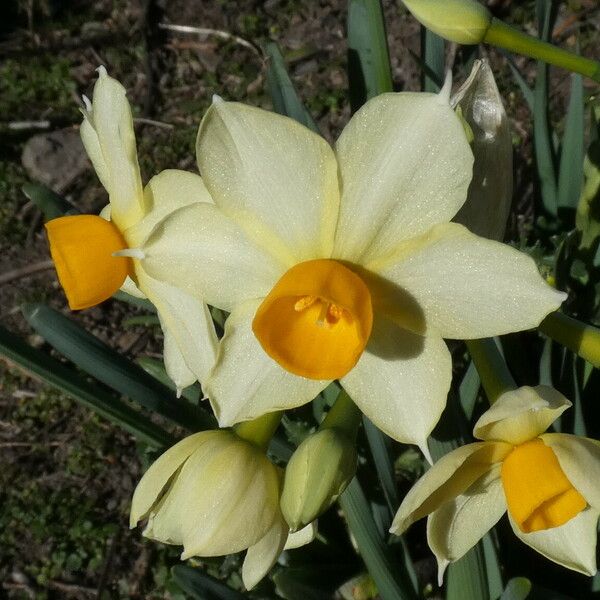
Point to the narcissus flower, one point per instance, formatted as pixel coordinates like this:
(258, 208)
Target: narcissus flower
(215, 493)
(341, 264)
(92, 253)
(548, 482)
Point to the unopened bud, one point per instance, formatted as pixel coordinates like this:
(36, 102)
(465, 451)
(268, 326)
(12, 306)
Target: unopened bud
(318, 472)
(461, 21)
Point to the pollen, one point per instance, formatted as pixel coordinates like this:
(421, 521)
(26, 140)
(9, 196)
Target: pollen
(317, 319)
(538, 493)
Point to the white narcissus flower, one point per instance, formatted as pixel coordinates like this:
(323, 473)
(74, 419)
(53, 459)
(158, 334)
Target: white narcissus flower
(92, 255)
(548, 482)
(341, 263)
(215, 493)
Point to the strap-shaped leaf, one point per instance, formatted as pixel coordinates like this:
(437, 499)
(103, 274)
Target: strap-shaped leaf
(433, 53)
(202, 586)
(105, 364)
(283, 95)
(49, 202)
(70, 382)
(369, 72)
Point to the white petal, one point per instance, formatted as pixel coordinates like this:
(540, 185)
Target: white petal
(405, 165)
(107, 134)
(455, 527)
(572, 545)
(175, 364)
(187, 321)
(448, 478)
(199, 249)
(306, 535)
(130, 287)
(521, 415)
(247, 383)
(467, 287)
(579, 458)
(269, 172)
(156, 477)
(264, 554)
(401, 382)
(165, 193)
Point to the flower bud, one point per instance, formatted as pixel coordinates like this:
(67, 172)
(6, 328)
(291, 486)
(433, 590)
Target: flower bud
(213, 493)
(461, 21)
(318, 472)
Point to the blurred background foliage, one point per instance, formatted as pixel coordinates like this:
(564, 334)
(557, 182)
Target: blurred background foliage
(67, 473)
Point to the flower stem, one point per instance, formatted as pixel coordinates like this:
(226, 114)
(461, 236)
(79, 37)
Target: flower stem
(504, 36)
(582, 339)
(344, 415)
(493, 371)
(259, 431)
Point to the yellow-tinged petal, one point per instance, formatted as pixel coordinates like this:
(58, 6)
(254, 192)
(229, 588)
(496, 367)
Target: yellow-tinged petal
(579, 458)
(464, 286)
(245, 382)
(82, 248)
(304, 536)
(401, 382)
(186, 320)
(152, 484)
(175, 365)
(521, 415)
(455, 527)
(200, 250)
(107, 134)
(271, 174)
(264, 554)
(165, 193)
(573, 545)
(448, 478)
(316, 320)
(538, 493)
(405, 165)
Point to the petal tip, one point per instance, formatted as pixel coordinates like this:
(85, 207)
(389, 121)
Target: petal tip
(216, 99)
(444, 93)
(102, 72)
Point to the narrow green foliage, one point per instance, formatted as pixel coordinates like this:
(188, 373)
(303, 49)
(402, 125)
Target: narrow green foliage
(281, 89)
(570, 177)
(369, 72)
(432, 51)
(518, 588)
(391, 581)
(156, 369)
(68, 381)
(199, 585)
(544, 150)
(105, 364)
(50, 203)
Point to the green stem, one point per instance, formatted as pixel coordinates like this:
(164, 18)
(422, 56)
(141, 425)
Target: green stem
(502, 35)
(259, 431)
(493, 372)
(344, 415)
(582, 339)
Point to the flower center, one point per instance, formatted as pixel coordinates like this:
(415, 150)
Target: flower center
(316, 321)
(538, 493)
(82, 248)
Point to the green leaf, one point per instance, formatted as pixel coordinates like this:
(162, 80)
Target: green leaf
(369, 72)
(302, 583)
(105, 364)
(542, 136)
(517, 588)
(392, 582)
(523, 86)
(570, 177)
(202, 586)
(50, 203)
(137, 302)
(433, 52)
(281, 89)
(70, 382)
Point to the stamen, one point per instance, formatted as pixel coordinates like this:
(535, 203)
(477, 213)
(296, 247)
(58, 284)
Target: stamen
(304, 302)
(130, 253)
(334, 314)
(322, 318)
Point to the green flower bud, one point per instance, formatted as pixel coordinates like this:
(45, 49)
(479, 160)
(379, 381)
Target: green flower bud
(461, 21)
(318, 472)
